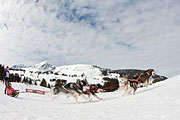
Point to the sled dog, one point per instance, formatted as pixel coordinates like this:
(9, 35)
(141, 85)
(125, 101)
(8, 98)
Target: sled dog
(70, 90)
(87, 89)
(132, 84)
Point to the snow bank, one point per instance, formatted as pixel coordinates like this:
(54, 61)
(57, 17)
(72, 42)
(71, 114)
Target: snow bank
(161, 101)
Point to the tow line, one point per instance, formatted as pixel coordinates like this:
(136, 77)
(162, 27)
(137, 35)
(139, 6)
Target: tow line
(35, 91)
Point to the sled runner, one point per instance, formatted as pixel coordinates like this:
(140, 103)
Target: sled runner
(11, 92)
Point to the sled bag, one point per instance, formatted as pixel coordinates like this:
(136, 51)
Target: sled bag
(11, 91)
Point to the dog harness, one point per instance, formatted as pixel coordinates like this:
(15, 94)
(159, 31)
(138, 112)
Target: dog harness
(137, 80)
(92, 89)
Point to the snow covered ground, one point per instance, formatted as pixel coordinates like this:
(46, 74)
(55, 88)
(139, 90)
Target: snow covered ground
(161, 101)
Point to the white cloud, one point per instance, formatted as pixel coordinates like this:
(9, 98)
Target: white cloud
(108, 33)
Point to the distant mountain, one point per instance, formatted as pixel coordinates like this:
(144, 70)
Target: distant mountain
(71, 73)
(19, 66)
(42, 67)
(130, 73)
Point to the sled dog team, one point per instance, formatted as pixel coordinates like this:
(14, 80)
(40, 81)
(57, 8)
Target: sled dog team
(82, 88)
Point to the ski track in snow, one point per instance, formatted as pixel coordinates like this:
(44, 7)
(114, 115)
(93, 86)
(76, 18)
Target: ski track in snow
(161, 101)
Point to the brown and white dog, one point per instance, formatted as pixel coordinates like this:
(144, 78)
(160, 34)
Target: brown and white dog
(132, 84)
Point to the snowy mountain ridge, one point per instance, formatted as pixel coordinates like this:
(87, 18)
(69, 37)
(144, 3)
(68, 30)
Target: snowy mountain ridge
(19, 66)
(79, 69)
(71, 73)
(42, 67)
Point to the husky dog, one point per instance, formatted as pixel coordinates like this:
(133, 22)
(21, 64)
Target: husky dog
(133, 84)
(87, 89)
(71, 89)
(80, 88)
(82, 84)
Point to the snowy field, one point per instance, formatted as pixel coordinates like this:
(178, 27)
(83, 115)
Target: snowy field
(161, 101)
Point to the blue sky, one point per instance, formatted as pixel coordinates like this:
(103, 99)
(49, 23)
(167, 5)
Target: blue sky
(108, 33)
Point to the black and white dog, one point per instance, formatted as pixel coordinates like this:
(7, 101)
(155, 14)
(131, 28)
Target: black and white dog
(80, 88)
(88, 89)
(70, 90)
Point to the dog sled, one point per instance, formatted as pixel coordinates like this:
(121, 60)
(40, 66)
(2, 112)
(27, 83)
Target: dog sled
(11, 92)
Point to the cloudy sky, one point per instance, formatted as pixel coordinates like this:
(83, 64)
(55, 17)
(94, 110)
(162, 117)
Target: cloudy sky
(108, 33)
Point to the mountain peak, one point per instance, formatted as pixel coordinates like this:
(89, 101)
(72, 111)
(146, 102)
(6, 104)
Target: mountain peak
(43, 66)
(41, 63)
